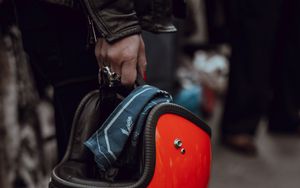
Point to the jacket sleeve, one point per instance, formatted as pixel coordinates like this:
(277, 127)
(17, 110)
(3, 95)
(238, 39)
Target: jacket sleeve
(155, 15)
(114, 19)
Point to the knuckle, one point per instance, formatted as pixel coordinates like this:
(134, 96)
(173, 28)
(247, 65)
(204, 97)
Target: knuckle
(97, 52)
(144, 64)
(100, 52)
(128, 54)
(111, 55)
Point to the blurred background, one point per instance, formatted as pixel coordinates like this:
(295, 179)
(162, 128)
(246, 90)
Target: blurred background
(234, 63)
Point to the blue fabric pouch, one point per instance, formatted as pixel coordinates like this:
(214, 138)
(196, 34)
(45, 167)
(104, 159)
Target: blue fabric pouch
(115, 143)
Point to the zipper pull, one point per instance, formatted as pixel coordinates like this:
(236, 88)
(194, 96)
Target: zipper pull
(92, 33)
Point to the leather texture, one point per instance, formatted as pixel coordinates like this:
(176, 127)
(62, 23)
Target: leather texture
(113, 19)
(117, 19)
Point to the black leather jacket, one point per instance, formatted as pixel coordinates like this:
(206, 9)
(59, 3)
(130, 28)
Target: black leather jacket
(115, 19)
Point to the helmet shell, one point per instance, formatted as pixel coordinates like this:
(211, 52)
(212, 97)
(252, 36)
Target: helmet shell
(178, 166)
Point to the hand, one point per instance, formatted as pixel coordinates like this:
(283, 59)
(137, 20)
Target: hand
(124, 57)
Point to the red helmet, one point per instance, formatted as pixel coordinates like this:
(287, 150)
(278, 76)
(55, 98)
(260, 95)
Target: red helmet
(183, 149)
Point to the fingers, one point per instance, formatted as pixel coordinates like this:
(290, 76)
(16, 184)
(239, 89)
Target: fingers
(129, 72)
(138, 63)
(123, 57)
(142, 62)
(113, 58)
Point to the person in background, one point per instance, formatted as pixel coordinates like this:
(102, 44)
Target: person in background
(264, 78)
